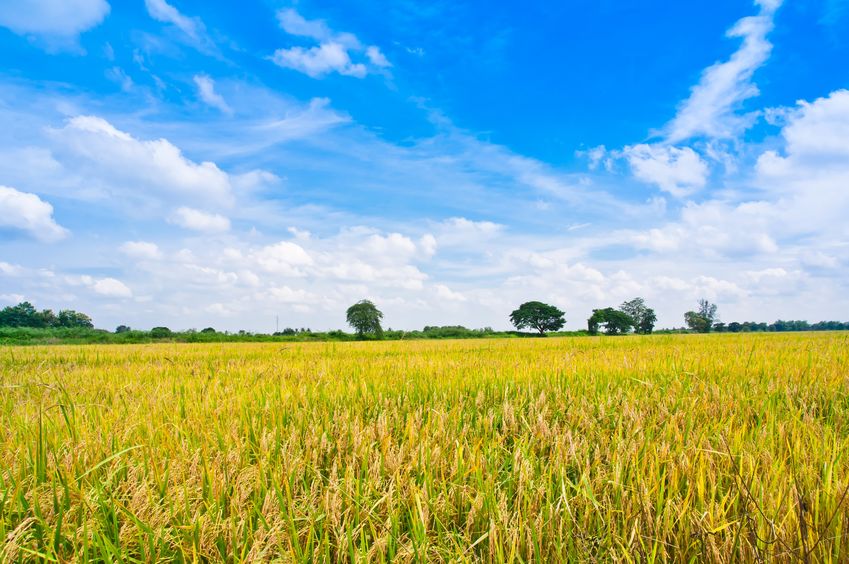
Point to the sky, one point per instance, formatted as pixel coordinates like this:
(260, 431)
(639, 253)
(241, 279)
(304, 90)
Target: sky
(191, 164)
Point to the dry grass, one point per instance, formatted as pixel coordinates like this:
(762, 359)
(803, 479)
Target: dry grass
(664, 448)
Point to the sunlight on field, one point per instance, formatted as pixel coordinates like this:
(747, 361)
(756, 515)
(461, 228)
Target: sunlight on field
(685, 447)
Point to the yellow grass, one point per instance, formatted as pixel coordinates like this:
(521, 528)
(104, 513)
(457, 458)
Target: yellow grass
(686, 448)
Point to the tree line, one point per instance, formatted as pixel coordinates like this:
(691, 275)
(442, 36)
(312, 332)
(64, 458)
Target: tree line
(25, 315)
(23, 323)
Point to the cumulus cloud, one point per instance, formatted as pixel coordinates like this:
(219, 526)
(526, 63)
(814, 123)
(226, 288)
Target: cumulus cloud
(111, 287)
(108, 287)
(811, 172)
(331, 55)
(319, 61)
(25, 212)
(198, 220)
(712, 108)
(284, 257)
(678, 171)
(122, 161)
(715, 229)
(63, 19)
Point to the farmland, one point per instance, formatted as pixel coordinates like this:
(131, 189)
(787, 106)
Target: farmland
(656, 448)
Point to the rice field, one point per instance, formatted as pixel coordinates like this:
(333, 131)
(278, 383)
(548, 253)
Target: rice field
(685, 448)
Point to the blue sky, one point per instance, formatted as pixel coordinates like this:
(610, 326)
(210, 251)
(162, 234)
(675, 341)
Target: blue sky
(191, 163)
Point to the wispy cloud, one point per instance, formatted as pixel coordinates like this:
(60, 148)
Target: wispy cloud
(192, 27)
(207, 93)
(712, 110)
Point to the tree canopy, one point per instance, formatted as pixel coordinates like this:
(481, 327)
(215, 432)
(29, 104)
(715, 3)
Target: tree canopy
(702, 320)
(539, 316)
(614, 321)
(365, 318)
(643, 316)
(25, 315)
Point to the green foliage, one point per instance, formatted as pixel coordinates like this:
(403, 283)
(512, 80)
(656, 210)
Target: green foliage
(539, 316)
(643, 316)
(122, 329)
(701, 321)
(160, 332)
(615, 322)
(25, 315)
(365, 318)
(71, 318)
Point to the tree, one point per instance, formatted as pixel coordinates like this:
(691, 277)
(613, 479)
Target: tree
(122, 329)
(614, 321)
(539, 316)
(25, 315)
(71, 318)
(702, 321)
(644, 317)
(160, 332)
(365, 318)
(208, 330)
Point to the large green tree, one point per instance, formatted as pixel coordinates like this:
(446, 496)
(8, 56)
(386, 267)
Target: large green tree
(539, 316)
(365, 318)
(702, 320)
(615, 322)
(644, 317)
(71, 318)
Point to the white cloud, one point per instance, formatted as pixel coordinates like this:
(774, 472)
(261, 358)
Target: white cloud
(138, 167)
(819, 129)
(207, 93)
(118, 75)
(198, 220)
(7, 269)
(162, 11)
(112, 288)
(428, 244)
(284, 257)
(443, 292)
(141, 250)
(466, 227)
(319, 61)
(714, 229)
(678, 171)
(376, 57)
(62, 18)
(294, 23)
(27, 212)
(811, 174)
(332, 54)
(711, 110)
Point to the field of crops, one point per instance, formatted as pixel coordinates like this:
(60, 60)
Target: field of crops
(685, 448)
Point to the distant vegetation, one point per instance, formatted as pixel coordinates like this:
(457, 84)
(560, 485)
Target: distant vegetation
(24, 324)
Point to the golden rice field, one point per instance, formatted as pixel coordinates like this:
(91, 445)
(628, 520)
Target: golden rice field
(683, 448)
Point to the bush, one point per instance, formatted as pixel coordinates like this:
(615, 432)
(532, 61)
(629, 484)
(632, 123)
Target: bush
(160, 333)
